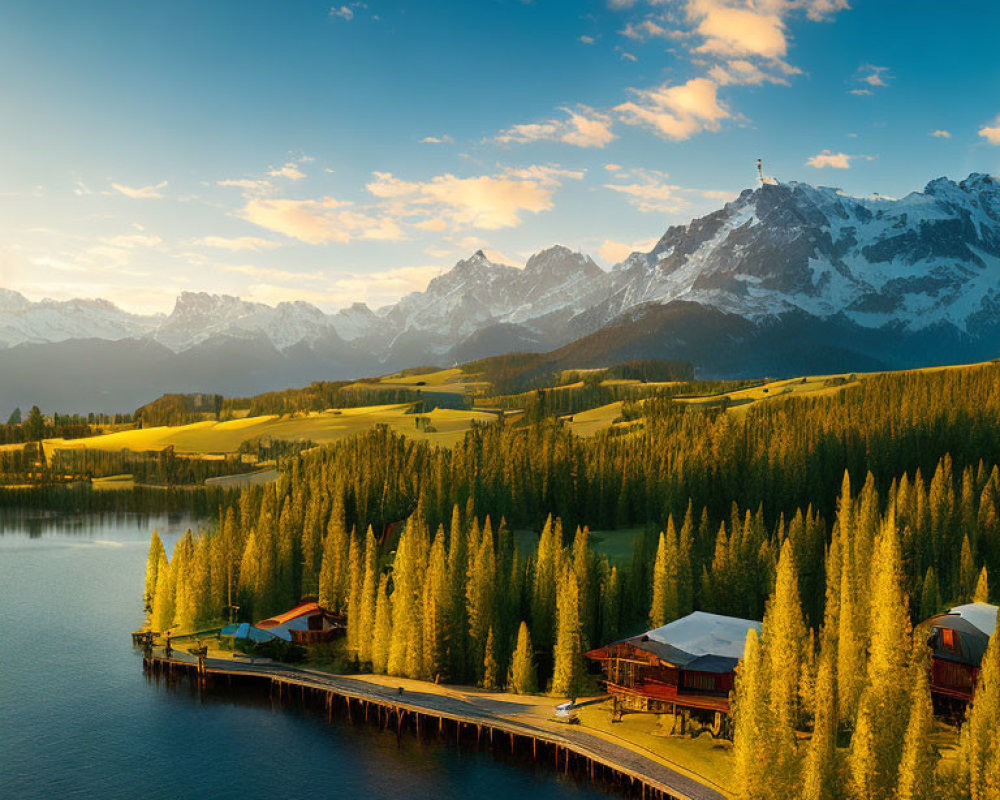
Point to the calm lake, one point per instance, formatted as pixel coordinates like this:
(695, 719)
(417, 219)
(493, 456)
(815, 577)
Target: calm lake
(78, 717)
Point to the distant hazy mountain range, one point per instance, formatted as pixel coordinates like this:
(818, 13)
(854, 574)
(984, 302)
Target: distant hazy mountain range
(786, 279)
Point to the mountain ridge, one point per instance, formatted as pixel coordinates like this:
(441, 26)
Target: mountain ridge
(876, 279)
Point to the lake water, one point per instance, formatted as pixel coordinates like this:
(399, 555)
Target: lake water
(79, 718)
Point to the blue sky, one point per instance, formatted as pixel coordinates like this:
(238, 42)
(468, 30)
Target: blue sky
(290, 149)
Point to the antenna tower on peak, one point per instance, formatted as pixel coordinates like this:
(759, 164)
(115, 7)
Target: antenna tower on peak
(760, 171)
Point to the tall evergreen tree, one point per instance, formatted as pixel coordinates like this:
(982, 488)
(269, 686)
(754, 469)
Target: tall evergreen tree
(877, 743)
(491, 670)
(523, 674)
(752, 750)
(156, 551)
(981, 731)
(982, 593)
(820, 774)
(916, 766)
(382, 634)
(369, 587)
(567, 653)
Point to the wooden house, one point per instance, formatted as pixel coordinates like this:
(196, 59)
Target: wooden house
(307, 623)
(958, 642)
(685, 667)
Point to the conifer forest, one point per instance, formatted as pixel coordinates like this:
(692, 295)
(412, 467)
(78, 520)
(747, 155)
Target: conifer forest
(843, 520)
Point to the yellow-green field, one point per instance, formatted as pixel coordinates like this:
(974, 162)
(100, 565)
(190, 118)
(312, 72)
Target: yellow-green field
(444, 381)
(815, 385)
(320, 427)
(589, 423)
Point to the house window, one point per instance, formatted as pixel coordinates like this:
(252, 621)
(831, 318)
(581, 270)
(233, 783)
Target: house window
(949, 640)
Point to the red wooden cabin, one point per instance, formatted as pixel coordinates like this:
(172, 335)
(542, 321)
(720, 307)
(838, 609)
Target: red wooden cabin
(307, 623)
(687, 666)
(958, 641)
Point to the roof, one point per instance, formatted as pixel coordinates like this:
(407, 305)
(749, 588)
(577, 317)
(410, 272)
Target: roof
(244, 630)
(700, 641)
(981, 615)
(299, 611)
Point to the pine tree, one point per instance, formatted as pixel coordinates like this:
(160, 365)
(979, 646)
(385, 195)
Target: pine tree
(916, 766)
(382, 634)
(523, 673)
(781, 655)
(543, 596)
(783, 635)
(665, 601)
(162, 616)
(981, 731)
(333, 575)
(567, 651)
(355, 586)
(752, 752)
(982, 593)
(436, 633)
(369, 586)
(185, 611)
(819, 780)
(491, 670)
(481, 592)
(156, 551)
(930, 595)
(877, 743)
(966, 573)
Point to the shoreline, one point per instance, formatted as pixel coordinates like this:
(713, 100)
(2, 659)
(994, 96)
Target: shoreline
(448, 712)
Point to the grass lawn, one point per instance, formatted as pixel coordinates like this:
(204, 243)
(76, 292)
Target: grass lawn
(321, 427)
(589, 423)
(112, 482)
(708, 759)
(616, 545)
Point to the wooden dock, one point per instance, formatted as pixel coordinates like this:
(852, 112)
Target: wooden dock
(569, 749)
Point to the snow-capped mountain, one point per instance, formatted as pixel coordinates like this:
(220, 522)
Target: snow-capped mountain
(930, 258)
(787, 278)
(22, 321)
(198, 317)
(478, 293)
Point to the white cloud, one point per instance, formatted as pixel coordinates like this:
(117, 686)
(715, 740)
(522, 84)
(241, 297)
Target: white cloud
(584, 127)
(871, 77)
(247, 184)
(735, 31)
(446, 139)
(612, 252)
(346, 12)
(991, 131)
(740, 71)
(318, 221)
(646, 29)
(142, 192)
(827, 158)
(629, 57)
(940, 134)
(290, 170)
(237, 243)
(650, 192)
(587, 39)
(131, 240)
(676, 112)
(488, 202)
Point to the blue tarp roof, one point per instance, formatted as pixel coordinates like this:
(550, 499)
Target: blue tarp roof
(244, 630)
